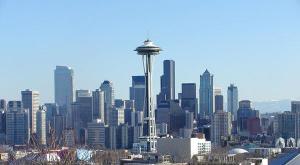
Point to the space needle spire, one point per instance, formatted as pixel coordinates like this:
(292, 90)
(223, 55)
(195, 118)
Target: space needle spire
(148, 140)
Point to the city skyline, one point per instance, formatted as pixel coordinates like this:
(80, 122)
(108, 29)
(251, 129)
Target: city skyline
(221, 43)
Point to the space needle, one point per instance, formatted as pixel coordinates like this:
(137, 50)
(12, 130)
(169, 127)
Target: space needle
(148, 140)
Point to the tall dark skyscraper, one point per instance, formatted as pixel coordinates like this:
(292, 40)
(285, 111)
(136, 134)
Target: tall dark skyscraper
(109, 98)
(137, 92)
(218, 100)
(189, 101)
(206, 93)
(167, 82)
(64, 91)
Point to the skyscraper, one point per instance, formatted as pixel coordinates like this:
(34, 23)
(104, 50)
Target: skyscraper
(98, 105)
(17, 124)
(137, 92)
(206, 95)
(189, 100)
(232, 100)
(218, 99)
(82, 109)
(246, 118)
(96, 134)
(221, 126)
(30, 100)
(295, 105)
(64, 90)
(41, 125)
(167, 82)
(2, 105)
(109, 98)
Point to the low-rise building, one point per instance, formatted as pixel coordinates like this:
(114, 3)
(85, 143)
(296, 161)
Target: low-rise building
(183, 149)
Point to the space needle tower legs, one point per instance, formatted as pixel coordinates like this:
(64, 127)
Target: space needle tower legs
(148, 140)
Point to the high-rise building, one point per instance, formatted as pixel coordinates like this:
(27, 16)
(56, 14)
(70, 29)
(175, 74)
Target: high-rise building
(30, 100)
(167, 82)
(64, 90)
(41, 125)
(218, 100)
(52, 110)
(189, 101)
(206, 95)
(17, 124)
(98, 105)
(116, 116)
(59, 126)
(82, 109)
(288, 125)
(232, 101)
(96, 134)
(109, 98)
(295, 105)
(137, 92)
(2, 105)
(221, 126)
(246, 117)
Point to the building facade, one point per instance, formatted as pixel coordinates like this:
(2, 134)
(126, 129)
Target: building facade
(17, 124)
(206, 93)
(232, 100)
(64, 90)
(30, 101)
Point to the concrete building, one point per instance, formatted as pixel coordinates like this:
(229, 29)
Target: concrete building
(232, 100)
(206, 93)
(64, 90)
(109, 98)
(220, 126)
(98, 105)
(41, 125)
(30, 100)
(183, 149)
(17, 124)
(188, 100)
(137, 92)
(96, 134)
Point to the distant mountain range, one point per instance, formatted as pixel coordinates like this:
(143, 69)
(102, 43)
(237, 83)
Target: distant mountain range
(272, 106)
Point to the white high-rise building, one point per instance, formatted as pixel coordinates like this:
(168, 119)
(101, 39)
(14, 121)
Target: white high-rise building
(220, 126)
(98, 104)
(41, 125)
(232, 101)
(30, 101)
(64, 90)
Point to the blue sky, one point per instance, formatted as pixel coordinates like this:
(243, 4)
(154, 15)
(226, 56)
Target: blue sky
(254, 44)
